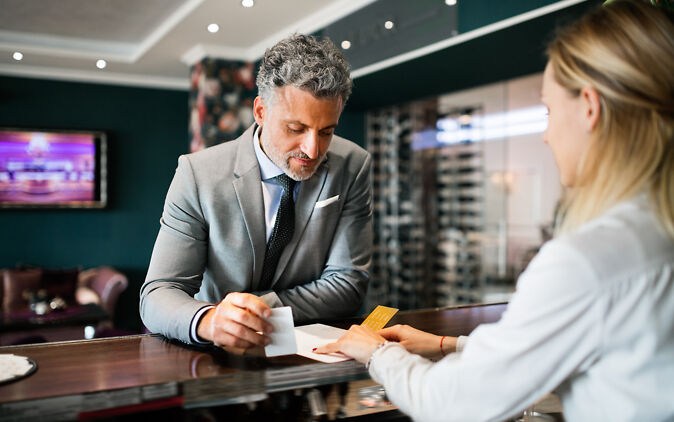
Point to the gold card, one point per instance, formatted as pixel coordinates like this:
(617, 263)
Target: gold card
(379, 317)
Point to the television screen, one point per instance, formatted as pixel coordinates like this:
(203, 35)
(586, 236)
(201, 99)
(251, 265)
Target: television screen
(52, 169)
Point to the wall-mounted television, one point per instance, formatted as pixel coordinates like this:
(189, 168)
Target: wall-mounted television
(52, 168)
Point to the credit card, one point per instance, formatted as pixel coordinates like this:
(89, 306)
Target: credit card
(379, 317)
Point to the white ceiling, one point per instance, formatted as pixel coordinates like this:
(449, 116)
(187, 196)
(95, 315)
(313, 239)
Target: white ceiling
(148, 42)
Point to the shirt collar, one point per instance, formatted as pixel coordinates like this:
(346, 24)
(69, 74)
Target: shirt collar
(268, 170)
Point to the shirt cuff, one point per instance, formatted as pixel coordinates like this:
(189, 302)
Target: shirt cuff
(195, 323)
(381, 350)
(461, 343)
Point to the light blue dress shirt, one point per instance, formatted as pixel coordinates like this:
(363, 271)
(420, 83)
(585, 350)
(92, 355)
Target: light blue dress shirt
(271, 189)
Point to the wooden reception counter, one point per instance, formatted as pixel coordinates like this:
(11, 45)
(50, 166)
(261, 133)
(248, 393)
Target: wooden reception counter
(91, 378)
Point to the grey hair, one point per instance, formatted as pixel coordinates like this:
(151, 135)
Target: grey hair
(305, 62)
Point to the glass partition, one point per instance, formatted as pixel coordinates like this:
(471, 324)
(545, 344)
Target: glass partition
(464, 194)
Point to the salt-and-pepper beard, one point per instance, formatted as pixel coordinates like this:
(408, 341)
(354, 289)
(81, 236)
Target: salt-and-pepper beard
(282, 160)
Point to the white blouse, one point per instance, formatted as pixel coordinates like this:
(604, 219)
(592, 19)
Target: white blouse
(592, 318)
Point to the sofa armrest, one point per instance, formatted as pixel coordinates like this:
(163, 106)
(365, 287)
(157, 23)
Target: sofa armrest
(107, 283)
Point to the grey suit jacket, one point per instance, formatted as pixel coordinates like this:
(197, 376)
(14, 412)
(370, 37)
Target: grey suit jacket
(212, 238)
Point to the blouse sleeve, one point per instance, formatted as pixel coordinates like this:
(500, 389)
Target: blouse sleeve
(550, 330)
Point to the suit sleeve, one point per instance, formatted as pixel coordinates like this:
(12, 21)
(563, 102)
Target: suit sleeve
(178, 260)
(343, 283)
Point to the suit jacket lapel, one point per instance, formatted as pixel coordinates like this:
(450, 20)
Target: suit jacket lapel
(304, 206)
(248, 190)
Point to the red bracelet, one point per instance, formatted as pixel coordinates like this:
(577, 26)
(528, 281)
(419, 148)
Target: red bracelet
(441, 351)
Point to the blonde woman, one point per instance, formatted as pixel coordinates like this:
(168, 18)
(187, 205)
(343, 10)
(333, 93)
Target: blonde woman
(593, 314)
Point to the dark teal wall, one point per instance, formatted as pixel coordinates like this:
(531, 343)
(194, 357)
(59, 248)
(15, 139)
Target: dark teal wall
(147, 130)
(352, 127)
(476, 14)
(511, 52)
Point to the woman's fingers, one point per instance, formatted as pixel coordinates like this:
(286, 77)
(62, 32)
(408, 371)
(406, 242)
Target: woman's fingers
(393, 333)
(328, 348)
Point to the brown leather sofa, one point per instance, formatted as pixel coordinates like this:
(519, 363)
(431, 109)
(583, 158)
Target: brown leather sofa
(100, 285)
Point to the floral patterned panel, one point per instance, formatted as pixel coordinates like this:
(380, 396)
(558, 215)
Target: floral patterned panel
(221, 101)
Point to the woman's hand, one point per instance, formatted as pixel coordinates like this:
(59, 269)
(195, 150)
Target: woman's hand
(359, 342)
(420, 342)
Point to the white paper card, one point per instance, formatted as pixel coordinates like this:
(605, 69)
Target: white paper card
(283, 336)
(314, 335)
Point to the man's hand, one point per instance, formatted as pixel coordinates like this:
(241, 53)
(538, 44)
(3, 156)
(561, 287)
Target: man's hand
(236, 321)
(419, 342)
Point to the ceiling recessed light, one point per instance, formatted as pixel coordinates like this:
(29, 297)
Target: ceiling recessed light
(247, 3)
(17, 56)
(213, 28)
(346, 44)
(101, 64)
(450, 2)
(388, 24)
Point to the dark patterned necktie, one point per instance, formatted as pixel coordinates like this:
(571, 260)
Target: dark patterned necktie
(284, 226)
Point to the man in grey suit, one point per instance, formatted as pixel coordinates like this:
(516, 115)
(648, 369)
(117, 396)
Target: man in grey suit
(280, 216)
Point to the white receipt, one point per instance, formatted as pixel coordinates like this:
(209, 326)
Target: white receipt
(314, 335)
(283, 336)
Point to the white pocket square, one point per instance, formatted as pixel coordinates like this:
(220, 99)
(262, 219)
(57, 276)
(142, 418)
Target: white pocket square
(325, 202)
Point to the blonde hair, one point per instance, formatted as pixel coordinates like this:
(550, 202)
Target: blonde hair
(624, 50)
